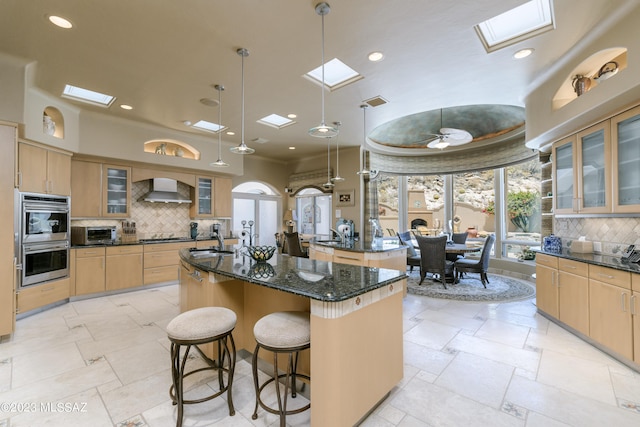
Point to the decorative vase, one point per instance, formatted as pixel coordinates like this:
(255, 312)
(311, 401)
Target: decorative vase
(581, 84)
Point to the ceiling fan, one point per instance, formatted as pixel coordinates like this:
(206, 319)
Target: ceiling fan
(447, 137)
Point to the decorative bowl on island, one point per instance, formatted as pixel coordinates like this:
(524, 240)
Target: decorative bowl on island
(261, 253)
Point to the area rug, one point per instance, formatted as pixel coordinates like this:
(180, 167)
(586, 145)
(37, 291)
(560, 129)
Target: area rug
(499, 289)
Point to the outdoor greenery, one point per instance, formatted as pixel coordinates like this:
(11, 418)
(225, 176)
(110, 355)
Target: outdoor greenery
(522, 208)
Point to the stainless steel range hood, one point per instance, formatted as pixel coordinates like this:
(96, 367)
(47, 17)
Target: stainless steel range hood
(165, 190)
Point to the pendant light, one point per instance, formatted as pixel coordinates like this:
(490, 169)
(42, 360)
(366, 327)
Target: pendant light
(365, 171)
(323, 131)
(337, 178)
(242, 148)
(219, 163)
(328, 184)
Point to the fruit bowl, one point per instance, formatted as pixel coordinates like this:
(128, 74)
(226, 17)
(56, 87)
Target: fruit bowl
(261, 253)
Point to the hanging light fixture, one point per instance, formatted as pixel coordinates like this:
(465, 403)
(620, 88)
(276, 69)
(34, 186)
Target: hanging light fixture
(365, 158)
(323, 131)
(328, 184)
(337, 178)
(242, 148)
(219, 163)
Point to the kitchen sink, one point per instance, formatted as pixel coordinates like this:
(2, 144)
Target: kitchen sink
(328, 242)
(208, 253)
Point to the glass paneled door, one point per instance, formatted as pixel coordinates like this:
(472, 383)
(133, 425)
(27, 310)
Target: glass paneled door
(260, 217)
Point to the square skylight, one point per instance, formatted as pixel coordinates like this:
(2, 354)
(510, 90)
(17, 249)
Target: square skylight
(276, 121)
(208, 126)
(88, 96)
(521, 23)
(336, 74)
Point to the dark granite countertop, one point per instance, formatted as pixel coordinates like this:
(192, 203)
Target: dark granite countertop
(318, 280)
(152, 242)
(357, 245)
(597, 259)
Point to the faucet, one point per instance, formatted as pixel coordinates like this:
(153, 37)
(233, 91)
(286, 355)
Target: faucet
(220, 240)
(342, 236)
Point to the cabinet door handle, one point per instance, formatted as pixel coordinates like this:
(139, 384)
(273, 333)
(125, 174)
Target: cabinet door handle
(633, 305)
(623, 300)
(19, 179)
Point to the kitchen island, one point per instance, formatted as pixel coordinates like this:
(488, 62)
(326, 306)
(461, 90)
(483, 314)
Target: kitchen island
(356, 355)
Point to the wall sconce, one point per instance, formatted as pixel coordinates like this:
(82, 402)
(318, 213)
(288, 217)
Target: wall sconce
(288, 190)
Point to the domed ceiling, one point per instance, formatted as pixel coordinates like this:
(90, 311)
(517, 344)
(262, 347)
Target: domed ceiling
(487, 124)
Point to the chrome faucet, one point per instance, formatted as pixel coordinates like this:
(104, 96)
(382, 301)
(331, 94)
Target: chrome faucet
(342, 236)
(220, 241)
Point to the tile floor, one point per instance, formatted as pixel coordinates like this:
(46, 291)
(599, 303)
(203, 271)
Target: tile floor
(105, 362)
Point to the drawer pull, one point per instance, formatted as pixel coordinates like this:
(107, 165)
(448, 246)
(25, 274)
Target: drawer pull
(346, 257)
(623, 300)
(196, 275)
(633, 305)
(569, 266)
(608, 276)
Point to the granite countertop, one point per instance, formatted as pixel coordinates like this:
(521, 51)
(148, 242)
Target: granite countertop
(318, 280)
(357, 245)
(151, 242)
(597, 259)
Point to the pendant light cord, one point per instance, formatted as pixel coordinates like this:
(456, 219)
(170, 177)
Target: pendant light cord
(220, 89)
(322, 87)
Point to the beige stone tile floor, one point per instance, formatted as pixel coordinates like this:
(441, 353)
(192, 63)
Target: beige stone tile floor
(106, 362)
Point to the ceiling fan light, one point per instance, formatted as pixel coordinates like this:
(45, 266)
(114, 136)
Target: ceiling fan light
(442, 145)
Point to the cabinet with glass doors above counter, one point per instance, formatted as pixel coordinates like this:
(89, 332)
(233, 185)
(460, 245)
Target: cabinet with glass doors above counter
(597, 170)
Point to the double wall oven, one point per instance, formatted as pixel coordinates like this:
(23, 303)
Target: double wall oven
(42, 237)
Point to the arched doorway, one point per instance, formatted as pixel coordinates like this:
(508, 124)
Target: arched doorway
(260, 208)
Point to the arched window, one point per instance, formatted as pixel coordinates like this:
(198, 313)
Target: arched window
(257, 213)
(313, 212)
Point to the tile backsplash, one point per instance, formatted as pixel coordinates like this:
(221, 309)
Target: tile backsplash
(615, 234)
(159, 220)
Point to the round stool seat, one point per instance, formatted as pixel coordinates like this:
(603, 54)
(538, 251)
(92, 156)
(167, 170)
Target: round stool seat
(284, 329)
(201, 323)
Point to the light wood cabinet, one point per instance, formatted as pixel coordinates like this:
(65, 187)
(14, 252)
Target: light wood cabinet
(8, 146)
(635, 315)
(222, 194)
(582, 167)
(625, 132)
(395, 260)
(609, 309)
(41, 295)
(116, 191)
(86, 189)
(573, 294)
(41, 170)
(124, 267)
(90, 270)
(547, 284)
(161, 262)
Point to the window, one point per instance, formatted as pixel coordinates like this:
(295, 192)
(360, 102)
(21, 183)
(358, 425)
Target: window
(425, 203)
(388, 203)
(313, 212)
(259, 207)
(473, 202)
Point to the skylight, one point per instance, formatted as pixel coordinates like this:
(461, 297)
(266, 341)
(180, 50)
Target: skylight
(276, 121)
(336, 74)
(523, 22)
(88, 96)
(208, 126)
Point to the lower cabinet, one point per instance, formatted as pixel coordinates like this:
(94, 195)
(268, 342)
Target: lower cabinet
(161, 262)
(123, 267)
(40, 295)
(610, 309)
(90, 270)
(395, 260)
(635, 313)
(547, 284)
(573, 294)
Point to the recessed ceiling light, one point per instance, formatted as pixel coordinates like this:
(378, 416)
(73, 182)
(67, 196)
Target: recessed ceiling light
(231, 133)
(88, 96)
(523, 53)
(292, 116)
(61, 22)
(376, 56)
(187, 122)
(292, 148)
(126, 107)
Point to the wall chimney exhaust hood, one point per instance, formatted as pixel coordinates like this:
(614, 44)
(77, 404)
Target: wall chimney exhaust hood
(165, 190)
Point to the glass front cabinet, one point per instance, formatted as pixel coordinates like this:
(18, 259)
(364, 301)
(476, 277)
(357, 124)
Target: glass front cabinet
(202, 198)
(582, 171)
(625, 131)
(116, 191)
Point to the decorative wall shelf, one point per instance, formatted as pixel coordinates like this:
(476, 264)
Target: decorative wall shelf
(172, 148)
(53, 122)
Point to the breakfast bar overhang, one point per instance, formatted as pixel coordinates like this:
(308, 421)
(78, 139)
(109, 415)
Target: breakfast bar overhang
(356, 355)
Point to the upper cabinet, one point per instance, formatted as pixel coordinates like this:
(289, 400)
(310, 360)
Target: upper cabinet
(593, 169)
(116, 191)
(625, 130)
(211, 198)
(41, 170)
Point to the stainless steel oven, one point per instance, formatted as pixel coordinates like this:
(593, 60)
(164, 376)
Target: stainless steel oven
(42, 237)
(44, 261)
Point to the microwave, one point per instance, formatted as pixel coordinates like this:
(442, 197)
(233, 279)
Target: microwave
(95, 235)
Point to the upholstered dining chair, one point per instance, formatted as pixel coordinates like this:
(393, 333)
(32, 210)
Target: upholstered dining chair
(460, 238)
(293, 246)
(433, 251)
(466, 265)
(413, 256)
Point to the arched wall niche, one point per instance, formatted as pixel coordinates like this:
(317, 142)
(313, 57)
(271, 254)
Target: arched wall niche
(53, 122)
(171, 147)
(590, 68)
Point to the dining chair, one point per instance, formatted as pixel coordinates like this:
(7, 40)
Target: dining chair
(293, 246)
(481, 265)
(413, 256)
(433, 258)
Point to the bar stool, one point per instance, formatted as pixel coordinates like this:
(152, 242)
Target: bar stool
(281, 332)
(201, 326)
